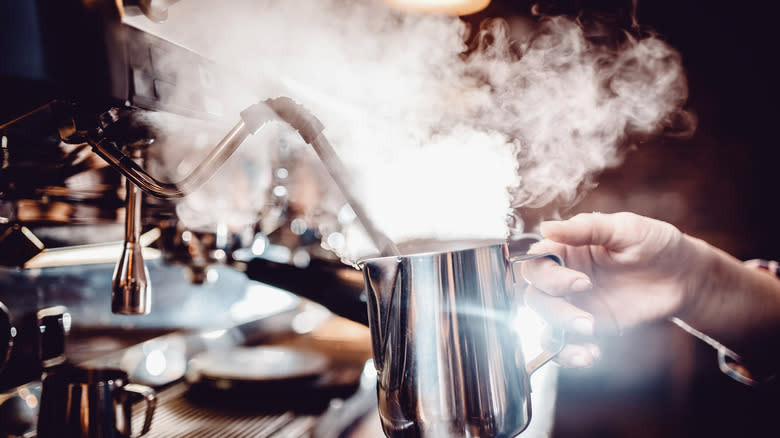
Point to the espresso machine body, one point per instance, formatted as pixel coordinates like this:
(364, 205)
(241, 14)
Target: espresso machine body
(76, 77)
(70, 70)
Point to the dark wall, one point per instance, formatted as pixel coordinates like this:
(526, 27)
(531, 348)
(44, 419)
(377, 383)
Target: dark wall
(727, 172)
(718, 184)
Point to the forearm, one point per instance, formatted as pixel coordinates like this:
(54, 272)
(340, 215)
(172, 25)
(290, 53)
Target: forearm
(737, 306)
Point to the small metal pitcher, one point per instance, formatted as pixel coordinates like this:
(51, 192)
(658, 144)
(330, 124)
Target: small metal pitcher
(449, 361)
(78, 402)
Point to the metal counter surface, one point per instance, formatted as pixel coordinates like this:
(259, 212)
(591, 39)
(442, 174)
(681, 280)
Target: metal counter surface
(229, 299)
(177, 417)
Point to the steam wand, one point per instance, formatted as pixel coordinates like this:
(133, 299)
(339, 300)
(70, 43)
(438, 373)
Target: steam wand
(109, 151)
(310, 129)
(252, 119)
(131, 291)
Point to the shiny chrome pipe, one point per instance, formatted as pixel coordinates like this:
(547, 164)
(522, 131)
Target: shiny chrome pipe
(310, 129)
(109, 151)
(252, 118)
(131, 291)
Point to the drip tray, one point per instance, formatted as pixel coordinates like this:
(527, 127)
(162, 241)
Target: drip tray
(178, 417)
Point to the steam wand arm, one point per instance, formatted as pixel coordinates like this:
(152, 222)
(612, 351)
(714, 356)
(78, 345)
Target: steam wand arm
(386, 246)
(252, 119)
(109, 151)
(310, 129)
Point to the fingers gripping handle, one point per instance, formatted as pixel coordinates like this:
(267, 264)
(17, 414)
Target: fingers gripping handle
(558, 334)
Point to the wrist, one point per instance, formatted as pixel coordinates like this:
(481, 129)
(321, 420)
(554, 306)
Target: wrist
(737, 306)
(697, 278)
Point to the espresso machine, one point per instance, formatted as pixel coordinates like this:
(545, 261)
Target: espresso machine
(80, 87)
(91, 236)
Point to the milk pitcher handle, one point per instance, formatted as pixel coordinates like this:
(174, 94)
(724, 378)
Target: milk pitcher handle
(558, 334)
(130, 392)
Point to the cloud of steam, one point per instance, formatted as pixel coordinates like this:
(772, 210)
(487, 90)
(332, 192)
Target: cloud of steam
(571, 102)
(444, 140)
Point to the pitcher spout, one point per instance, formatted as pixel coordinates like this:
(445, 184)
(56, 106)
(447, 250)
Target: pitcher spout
(381, 280)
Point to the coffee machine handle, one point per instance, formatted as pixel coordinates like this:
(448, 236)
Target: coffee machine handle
(7, 335)
(558, 334)
(126, 396)
(54, 324)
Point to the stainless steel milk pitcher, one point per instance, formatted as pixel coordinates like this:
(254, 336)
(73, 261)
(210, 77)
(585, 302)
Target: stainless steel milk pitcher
(449, 361)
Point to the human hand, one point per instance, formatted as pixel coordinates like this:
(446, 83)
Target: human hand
(621, 270)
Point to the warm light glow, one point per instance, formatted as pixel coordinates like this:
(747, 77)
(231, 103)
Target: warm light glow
(156, 363)
(455, 7)
(214, 334)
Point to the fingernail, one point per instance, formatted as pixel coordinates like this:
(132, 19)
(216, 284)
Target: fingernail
(579, 360)
(581, 285)
(583, 326)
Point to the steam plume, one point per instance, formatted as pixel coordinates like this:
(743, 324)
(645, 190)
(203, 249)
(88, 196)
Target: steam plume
(443, 139)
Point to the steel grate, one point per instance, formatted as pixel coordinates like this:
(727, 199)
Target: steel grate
(177, 417)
